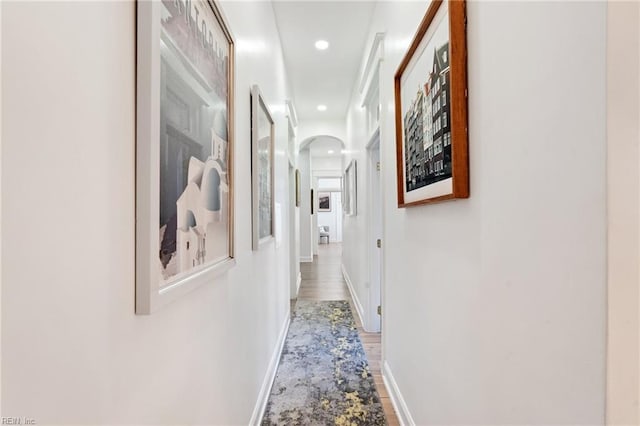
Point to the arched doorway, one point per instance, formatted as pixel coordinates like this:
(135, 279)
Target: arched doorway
(321, 164)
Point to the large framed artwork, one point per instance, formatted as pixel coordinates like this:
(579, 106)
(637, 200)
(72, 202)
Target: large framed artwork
(324, 201)
(263, 206)
(431, 109)
(184, 149)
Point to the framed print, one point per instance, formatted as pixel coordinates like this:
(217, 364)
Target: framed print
(297, 188)
(344, 193)
(351, 189)
(184, 149)
(324, 201)
(431, 109)
(261, 170)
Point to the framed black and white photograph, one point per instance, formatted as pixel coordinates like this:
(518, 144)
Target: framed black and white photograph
(431, 109)
(184, 147)
(324, 201)
(262, 133)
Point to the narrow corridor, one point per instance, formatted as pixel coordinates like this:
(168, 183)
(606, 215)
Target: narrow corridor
(164, 180)
(322, 280)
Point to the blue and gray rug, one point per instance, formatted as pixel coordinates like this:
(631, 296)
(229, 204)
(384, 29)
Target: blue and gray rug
(323, 377)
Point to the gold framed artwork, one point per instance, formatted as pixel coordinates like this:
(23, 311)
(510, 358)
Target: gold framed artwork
(298, 190)
(184, 149)
(431, 109)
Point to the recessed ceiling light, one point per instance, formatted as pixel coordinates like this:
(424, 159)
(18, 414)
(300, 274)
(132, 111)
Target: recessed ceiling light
(322, 107)
(330, 151)
(322, 44)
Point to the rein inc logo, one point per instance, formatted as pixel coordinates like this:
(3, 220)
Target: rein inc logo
(17, 421)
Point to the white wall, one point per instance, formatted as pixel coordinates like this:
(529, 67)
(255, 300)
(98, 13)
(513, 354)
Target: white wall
(355, 245)
(1, 211)
(623, 134)
(73, 352)
(496, 304)
(327, 166)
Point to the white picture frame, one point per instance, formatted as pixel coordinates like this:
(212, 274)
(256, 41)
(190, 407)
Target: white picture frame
(262, 171)
(324, 201)
(350, 182)
(200, 192)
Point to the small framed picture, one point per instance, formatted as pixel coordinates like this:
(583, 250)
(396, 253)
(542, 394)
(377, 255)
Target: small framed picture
(324, 201)
(350, 189)
(297, 188)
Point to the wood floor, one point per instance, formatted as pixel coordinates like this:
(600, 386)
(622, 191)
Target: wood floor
(322, 280)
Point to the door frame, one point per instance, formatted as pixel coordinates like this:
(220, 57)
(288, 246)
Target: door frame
(295, 278)
(294, 260)
(374, 232)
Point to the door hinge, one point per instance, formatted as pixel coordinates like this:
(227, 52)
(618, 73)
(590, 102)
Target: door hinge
(378, 166)
(379, 243)
(379, 310)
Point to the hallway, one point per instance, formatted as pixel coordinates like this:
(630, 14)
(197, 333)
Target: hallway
(166, 167)
(322, 280)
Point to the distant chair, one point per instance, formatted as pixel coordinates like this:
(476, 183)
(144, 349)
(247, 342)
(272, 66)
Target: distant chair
(324, 233)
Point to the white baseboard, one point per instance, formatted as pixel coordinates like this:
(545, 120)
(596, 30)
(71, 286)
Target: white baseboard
(354, 296)
(399, 404)
(306, 259)
(265, 390)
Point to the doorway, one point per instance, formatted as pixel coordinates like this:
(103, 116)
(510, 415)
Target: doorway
(329, 210)
(375, 233)
(294, 232)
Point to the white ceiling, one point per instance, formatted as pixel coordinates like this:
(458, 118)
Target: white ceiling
(323, 76)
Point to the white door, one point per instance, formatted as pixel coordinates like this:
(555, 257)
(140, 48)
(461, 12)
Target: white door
(337, 202)
(375, 235)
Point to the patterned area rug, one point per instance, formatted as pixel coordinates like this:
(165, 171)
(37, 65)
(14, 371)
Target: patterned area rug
(323, 377)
